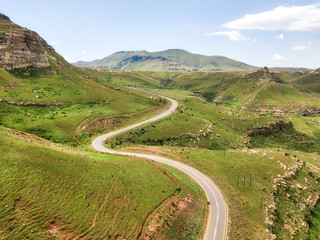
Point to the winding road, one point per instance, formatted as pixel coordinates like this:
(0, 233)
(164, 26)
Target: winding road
(217, 222)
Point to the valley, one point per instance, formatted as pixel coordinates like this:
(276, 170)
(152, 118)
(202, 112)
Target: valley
(227, 151)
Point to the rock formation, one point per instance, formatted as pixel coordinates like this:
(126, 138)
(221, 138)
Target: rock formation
(20, 47)
(270, 76)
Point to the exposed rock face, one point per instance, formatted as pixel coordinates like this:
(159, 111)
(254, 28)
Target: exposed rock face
(270, 128)
(265, 70)
(20, 47)
(4, 17)
(270, 76)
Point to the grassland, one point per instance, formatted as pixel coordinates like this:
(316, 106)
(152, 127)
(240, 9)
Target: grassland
(248, 179)
(54, 102)
(73, 123)
(314, 223)
(210, 131)
(51, 194)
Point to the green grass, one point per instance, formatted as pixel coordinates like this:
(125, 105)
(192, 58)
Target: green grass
(229, 122)
(186, 135)
(58, 123)
(73, 96)
(314, 222)
(45, 190)
(309, 81)
(244, 201)
(294, 198)
(197, 124)
(198, 127)
(70, 86)
(287, 137)
(276, 93)
(186, 222)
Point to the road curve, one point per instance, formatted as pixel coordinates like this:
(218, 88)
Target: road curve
(217, 223)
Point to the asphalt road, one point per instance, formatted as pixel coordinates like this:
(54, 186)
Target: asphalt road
(217, 223)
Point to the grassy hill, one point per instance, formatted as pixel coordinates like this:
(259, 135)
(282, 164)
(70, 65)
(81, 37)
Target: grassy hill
(53, 105)
(47, 193)
(255, 133)
(310, 81)
(262, 88)
(236, 125)
(53, 100)
(51, 191)
(171, 59)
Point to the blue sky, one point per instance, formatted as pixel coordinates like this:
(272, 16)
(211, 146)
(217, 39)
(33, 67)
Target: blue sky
(260, 33)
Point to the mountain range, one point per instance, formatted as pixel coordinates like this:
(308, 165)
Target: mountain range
(168, 60)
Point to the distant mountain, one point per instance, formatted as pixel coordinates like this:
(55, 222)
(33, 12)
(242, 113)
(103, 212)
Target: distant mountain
(172, 59)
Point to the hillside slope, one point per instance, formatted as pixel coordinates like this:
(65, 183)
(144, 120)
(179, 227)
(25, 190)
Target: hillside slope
(310, 81)
(49, 191)
(174, 59)
(49, 194)
(43, 94)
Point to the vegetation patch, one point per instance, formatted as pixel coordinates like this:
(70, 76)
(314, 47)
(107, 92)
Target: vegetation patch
(48, 194)
(294, 198)
(314, 223)
(281, 134)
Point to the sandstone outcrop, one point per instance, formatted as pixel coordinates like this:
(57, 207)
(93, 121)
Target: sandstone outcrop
(20, 47)
(270, 128)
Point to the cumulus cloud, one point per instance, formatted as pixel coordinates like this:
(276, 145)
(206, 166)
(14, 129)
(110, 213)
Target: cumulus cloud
(300, 18)
(278, 57)
(232, 35)
(281, 36)
(301, 47)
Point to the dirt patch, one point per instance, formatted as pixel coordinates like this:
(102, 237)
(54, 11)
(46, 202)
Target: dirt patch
(168, 212)
(58, 230)
(97, 123)
(110, 122)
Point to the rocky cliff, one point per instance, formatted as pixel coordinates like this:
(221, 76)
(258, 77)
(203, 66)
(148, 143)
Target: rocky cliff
(20, 47)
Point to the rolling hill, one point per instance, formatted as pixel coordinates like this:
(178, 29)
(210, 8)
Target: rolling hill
(43, 94)
(53, 191)
(169, 60)
(256, 134)
(310, 81)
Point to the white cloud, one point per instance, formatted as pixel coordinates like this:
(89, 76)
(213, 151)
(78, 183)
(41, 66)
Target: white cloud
(54, 43)
(281, 36)
(278, 57)
(301, 18)
(299, 47)
(232, 35)
(83, 51)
